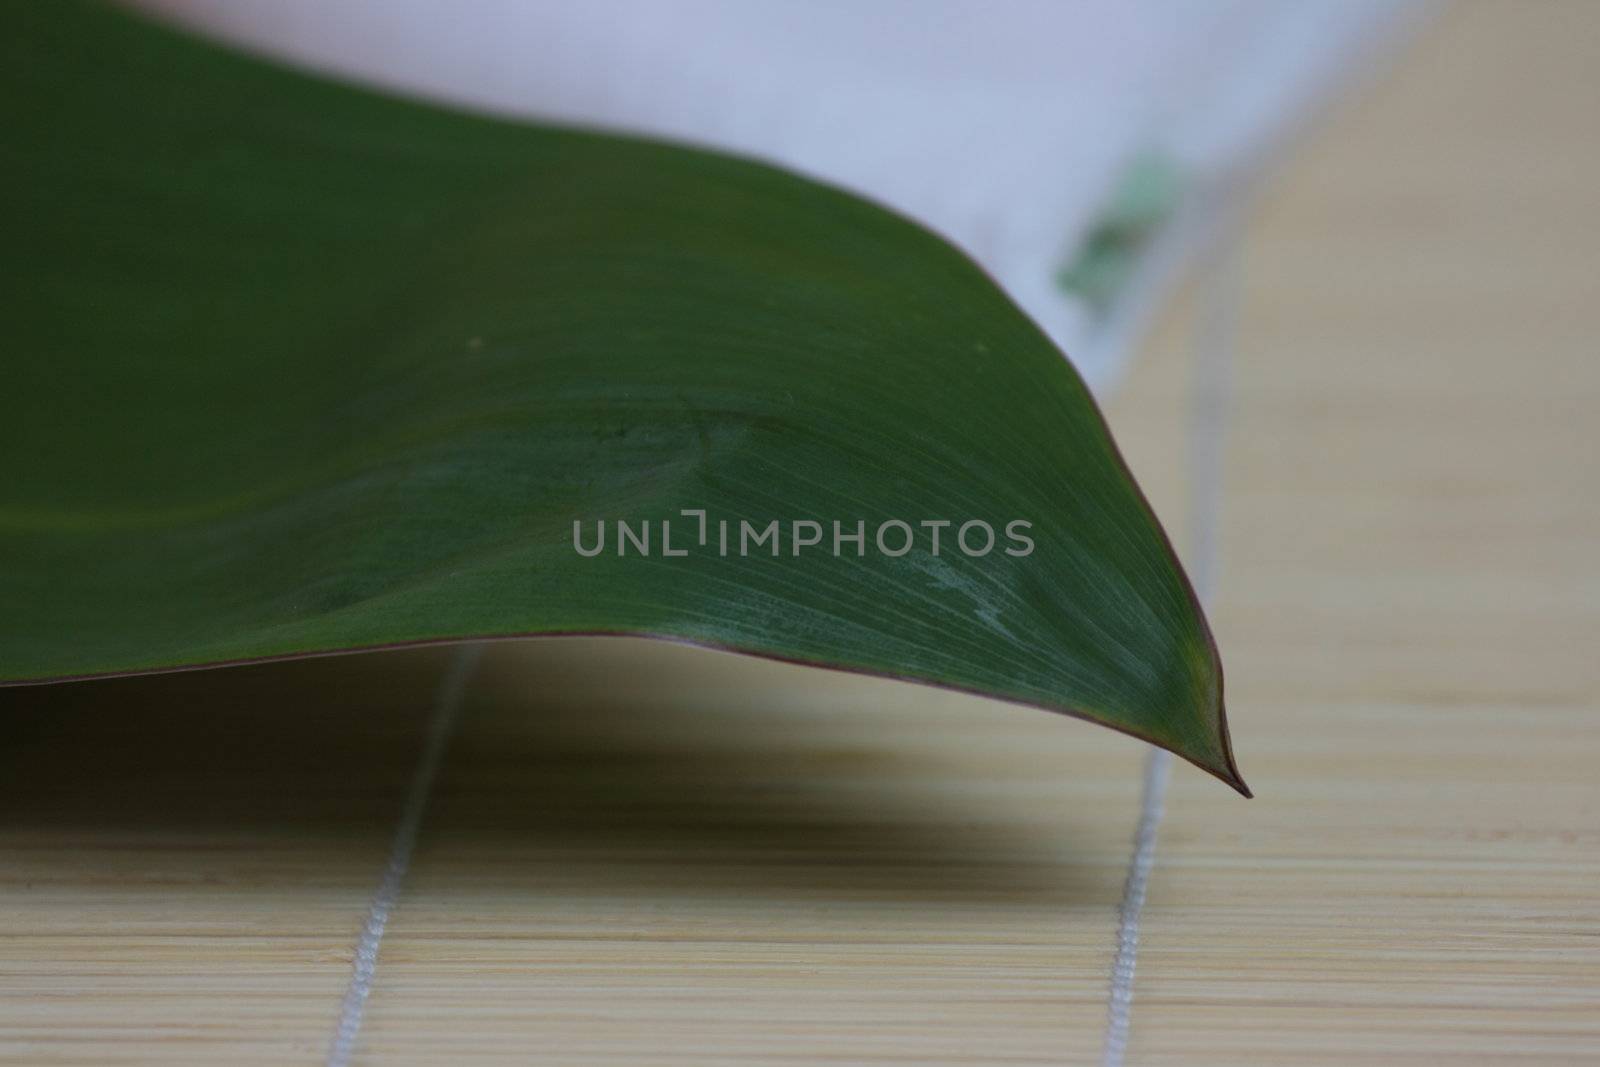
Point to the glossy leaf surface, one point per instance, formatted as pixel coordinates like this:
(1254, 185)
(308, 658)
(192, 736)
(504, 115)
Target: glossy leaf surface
(295, 367)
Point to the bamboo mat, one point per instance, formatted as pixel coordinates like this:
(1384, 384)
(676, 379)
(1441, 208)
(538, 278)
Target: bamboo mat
(644, 854)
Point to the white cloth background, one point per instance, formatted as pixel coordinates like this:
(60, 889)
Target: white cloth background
(1003, 126)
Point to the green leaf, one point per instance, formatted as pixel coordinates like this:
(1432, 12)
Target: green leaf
(293, 367)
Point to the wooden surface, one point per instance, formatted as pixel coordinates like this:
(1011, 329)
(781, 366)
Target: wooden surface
(641, 854)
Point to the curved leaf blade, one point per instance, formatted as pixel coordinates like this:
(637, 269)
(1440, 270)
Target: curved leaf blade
(296, 367)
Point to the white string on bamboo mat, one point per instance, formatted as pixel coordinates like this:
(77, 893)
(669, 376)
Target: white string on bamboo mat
(1207, 433)
(446, 710)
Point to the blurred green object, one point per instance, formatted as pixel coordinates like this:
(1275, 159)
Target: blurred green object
(1146, 197)
(293, 367)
